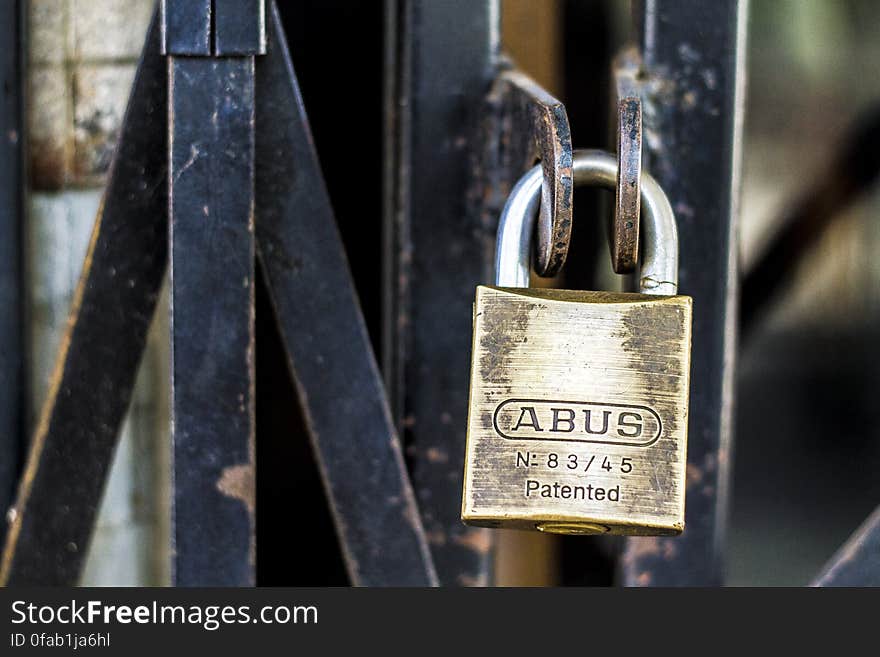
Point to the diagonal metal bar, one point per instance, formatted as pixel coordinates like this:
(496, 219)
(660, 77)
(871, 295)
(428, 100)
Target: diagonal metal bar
(12, 404)
(693, 109)
(441, 59)
(95, 371)
(857, 563)
(211, 191)
(326, 341)
(851, 170)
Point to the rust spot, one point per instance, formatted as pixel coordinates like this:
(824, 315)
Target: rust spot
(478, 540)
(237, 481)
(469, 580)
(436, 455)
(436, 537)
(688, 100)
(644, 548)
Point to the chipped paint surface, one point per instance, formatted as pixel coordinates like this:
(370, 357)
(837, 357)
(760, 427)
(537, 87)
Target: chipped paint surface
(478, 540)
(239, 482)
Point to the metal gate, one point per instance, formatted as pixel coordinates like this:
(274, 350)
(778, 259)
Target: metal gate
(216, 175)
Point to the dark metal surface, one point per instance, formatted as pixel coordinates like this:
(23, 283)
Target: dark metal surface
(91, 387)
(857, 563)
(186, 27)
(692, 53)
(211, 186)
(239, 27)
(623, 237)
(12, 341)
(441, 59)
(526, 124)
(327, 345)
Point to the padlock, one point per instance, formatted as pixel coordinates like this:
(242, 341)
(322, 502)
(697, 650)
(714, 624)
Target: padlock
(578, 412)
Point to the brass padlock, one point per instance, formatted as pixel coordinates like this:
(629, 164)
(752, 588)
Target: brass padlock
(579, 400)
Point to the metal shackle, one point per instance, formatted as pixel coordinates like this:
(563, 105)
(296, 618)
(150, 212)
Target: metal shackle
(659, 235)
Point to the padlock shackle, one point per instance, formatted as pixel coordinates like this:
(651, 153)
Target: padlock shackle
(659, 235)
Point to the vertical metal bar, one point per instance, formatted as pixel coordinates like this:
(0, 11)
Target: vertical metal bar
(12, 408)
(211, 181)
(693, 52)
(91, 386)
(441, 59)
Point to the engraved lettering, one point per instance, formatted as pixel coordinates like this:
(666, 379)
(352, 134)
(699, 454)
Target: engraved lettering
(533, 416)
(568, 420)
(588, 426)
(636, 425)
(556, 490)
(577, 421)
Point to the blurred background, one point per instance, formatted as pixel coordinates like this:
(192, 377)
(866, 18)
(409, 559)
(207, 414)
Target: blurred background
(806, 451)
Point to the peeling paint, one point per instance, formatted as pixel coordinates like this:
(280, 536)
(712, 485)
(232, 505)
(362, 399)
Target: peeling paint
(239, 482)
(478, 540)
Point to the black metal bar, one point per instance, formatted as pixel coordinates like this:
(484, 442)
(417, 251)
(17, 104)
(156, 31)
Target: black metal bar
(693, 54)
(857, 563)
(12, 179)
(91, 387)
(326, 341)
(441, 59)
(186, 27)
(211, 185)
(239, 27)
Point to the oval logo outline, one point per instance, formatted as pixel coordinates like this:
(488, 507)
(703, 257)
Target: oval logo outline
(623, 442)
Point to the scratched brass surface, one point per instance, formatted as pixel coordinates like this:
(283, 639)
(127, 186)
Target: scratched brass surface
(578, 412)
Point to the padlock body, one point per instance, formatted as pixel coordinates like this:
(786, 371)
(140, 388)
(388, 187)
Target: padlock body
(578, 412)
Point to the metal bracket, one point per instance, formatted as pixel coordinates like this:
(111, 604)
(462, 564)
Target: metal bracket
(206, 28)
(623, 236)
(532, 125)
